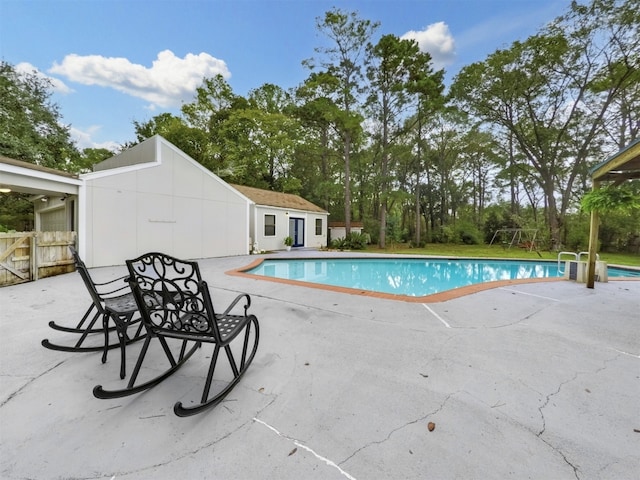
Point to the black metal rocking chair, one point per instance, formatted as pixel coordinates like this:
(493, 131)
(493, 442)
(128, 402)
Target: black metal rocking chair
(111, 300)
(175, 303)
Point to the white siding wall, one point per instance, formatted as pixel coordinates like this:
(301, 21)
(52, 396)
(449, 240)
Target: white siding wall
(55, 214)
(282, 227)
(311, 239)
(175, 207)
(341, 232)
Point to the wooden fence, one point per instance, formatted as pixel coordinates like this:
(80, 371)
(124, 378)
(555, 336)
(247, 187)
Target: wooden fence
(27, 256)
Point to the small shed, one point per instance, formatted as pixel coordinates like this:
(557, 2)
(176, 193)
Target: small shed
(275, 215)
(339, 229)
(154, 197)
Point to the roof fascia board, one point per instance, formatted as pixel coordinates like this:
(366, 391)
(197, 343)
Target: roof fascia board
(118, 170)
(27, 172)
(615, 161)
(295, 210)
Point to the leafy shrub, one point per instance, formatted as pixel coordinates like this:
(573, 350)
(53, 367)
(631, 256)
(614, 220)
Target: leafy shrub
(357, 241)
(611, 199)
(339, 243)
(353, 241)
(469, 238)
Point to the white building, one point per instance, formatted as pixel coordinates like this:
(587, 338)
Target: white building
(154, 197)
(274, 216)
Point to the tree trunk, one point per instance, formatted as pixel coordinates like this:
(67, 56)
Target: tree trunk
(347, 185)
(552, 218)
(418, 219)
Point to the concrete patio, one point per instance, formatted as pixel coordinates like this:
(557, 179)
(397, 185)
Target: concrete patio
(536, 381)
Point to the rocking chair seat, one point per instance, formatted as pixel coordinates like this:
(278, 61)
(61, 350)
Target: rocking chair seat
(121, 304)
(175, 303)
(112, 301)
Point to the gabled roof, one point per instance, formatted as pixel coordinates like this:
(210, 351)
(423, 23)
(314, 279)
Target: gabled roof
(148, 154)
(277, 199)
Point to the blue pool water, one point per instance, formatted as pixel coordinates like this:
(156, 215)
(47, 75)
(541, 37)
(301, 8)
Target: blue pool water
(410, 276)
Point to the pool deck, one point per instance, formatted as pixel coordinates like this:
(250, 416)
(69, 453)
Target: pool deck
(527, 380)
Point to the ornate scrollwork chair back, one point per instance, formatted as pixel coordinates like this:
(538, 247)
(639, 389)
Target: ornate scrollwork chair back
(177, 300)
(175, 303)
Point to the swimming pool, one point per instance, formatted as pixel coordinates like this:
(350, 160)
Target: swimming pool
(412, 277)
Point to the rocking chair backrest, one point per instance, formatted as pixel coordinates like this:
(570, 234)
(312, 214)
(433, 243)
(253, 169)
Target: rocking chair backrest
(172, 297)
(81, 268)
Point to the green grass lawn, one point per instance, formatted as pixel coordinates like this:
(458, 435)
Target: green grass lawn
(497, 251)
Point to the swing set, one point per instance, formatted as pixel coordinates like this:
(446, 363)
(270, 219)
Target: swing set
(520, 237)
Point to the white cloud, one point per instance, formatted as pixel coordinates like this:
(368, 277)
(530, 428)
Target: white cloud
(436, 39)
(57, 85)
(83, 139)
(169, 81)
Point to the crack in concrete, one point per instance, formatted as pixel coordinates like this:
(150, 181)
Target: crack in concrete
(546, 402)
(562, 384)
(491, 327)
(564, 457)
(302, 305)
(401, 427)
(13, 394)
(191, 452)
(520, 320)
(297, 443)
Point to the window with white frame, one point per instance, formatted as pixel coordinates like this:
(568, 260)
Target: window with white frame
(318, 226)
(269, 225)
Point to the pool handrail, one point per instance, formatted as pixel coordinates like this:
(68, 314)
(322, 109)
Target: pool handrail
(576, 256)
(587, 254)
(560, 270)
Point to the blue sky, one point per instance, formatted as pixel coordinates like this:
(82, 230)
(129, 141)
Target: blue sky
(113, 62)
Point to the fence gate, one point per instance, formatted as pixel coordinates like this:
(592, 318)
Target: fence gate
(26, 256)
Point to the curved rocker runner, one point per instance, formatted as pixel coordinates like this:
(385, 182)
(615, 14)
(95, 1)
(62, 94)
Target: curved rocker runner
(175, 304)
(111, 301)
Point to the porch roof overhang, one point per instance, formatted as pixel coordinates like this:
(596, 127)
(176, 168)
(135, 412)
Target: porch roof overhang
(620, 167)
(624, 165)
(24, 177)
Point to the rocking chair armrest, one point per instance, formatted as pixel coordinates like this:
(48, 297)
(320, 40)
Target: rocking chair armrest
(109, 282)
(110, 287)
(236, 301)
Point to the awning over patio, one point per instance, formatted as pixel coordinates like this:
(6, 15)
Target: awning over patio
(24, 177)
(623, 166)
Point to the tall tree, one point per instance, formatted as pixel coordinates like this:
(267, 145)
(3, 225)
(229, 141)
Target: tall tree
(445, 144)
(191, 140)
(260, 140)
(396, 67)
(543, 91)
(343, 61)
(214, 101)
(90, 156)
(31, 130)
(31, 126)
(480, 158)
(317, 156)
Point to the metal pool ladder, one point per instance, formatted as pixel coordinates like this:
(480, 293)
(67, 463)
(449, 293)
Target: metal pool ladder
(576, 256)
